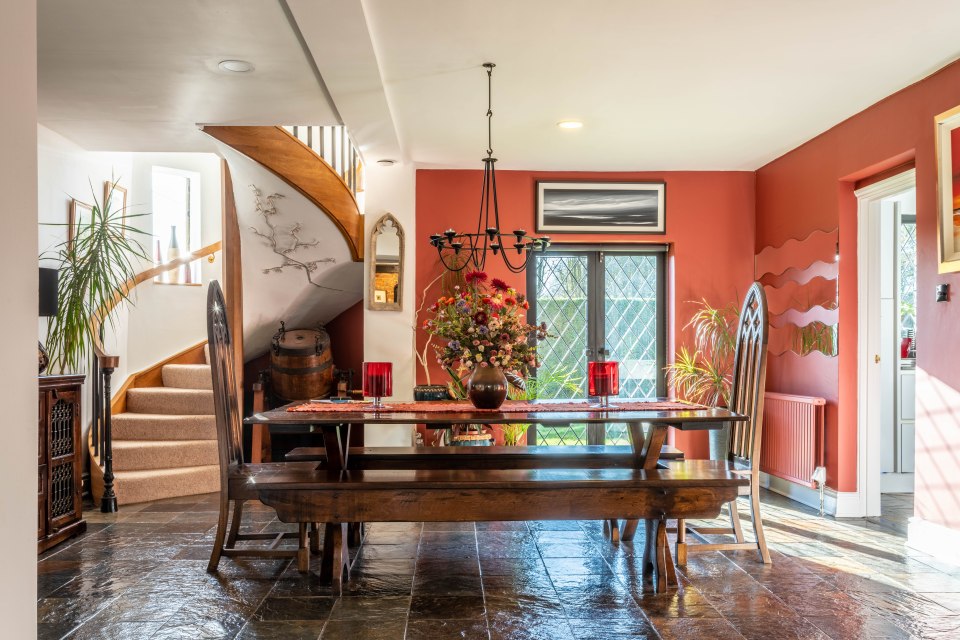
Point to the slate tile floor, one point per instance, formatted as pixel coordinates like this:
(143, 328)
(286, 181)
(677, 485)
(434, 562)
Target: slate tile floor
(141, 574)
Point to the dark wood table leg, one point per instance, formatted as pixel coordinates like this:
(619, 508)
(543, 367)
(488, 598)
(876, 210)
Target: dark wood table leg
(336, 444)
(335, 560)
(658, 569)
(646, 452)
(355, 533)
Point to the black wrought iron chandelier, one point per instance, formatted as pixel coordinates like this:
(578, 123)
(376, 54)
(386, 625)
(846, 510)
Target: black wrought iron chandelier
(460, 251)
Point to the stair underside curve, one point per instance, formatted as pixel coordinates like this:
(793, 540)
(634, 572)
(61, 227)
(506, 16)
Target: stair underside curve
(297, 165)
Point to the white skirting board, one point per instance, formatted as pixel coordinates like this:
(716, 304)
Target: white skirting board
(837, 504)
(937, 540)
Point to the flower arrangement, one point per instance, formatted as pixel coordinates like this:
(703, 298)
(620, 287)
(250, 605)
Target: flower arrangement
(484, 325)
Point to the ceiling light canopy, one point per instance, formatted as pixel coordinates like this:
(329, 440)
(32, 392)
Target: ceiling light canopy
(570, 124)
(236, 66)
(459, 251)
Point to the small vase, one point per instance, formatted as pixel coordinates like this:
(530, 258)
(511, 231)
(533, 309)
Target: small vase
(487, 387)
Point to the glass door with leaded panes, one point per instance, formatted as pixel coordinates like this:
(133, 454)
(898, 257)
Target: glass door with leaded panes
(598, 303)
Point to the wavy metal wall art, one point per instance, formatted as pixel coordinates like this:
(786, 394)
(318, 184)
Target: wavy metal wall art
(800, 280)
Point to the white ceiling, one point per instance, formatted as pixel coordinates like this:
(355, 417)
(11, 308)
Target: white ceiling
(138, 75)
(683, 84)
(659, 85)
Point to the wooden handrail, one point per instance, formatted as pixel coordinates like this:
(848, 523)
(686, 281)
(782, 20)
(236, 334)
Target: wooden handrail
(109, 361)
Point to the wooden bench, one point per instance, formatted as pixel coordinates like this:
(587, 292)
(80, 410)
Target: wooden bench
(300, 492)
(493, 457)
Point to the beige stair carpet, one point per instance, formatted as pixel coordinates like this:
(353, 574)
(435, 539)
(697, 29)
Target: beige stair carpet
(165, 444)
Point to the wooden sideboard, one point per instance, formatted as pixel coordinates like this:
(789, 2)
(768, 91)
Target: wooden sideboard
(59, 461)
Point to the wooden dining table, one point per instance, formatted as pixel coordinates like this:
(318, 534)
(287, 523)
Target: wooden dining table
(336, 422)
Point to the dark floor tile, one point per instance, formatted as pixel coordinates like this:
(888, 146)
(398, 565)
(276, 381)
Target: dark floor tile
(446, 608)
(511, 566)
(783, 628)
(365, 629)
(371, 609)
(377, 585)
(447, 585)
(273, 630)
(295, 609)
(69, 611)
(54, 630)
(461, 567)
(448, 526)
(504, 626)
(858, 627)
(687, 628)
(447, 629)
(638, 629)
(192, 631)
(116, 630)
(577, 566)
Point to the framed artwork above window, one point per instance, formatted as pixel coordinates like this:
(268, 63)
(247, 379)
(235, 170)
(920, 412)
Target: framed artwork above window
(601, 207)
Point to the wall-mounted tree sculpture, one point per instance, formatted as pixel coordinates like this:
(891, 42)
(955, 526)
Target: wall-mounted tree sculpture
(285, 240)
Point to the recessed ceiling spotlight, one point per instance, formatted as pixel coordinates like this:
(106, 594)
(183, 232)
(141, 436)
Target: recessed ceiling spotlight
(235, 66)
(570, 124)
(386, 162)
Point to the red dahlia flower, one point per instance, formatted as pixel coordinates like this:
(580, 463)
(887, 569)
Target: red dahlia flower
(475, 277)
(499, 284)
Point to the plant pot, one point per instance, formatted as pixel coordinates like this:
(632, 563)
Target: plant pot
(487, 387)
(719, 442)
(428, 392)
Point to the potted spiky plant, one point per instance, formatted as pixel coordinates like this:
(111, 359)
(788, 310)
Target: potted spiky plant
(95, 265)
(703, 373)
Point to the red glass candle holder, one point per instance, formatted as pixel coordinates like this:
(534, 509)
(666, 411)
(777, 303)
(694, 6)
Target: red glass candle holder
(603, 380)
(377, 381)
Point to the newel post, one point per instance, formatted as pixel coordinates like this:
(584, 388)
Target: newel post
(108, 502)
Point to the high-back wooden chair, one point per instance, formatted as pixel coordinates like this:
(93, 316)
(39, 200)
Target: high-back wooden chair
(230, 445)
(746, 397)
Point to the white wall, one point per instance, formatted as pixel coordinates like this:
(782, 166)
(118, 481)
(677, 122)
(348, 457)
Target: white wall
(288, 296)
(166, 319)
(18, 184)
(66, 171)
(388, 335)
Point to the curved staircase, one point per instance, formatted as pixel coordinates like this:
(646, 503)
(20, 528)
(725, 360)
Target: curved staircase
(164, 433)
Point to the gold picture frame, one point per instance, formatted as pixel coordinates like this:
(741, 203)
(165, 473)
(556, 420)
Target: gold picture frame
(947, 136)
(81, 214)
(116, 189)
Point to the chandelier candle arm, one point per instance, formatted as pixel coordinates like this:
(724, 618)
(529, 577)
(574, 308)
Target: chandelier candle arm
(459, 251)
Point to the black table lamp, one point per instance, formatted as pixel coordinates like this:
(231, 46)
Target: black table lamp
(48, 306)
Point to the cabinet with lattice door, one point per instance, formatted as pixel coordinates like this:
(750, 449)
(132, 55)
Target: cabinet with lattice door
(59, 461)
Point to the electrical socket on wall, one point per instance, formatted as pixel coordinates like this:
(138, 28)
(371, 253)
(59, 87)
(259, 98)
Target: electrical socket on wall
(943, 292)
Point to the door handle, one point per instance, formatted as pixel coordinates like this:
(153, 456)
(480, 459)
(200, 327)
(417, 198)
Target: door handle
(876, 359)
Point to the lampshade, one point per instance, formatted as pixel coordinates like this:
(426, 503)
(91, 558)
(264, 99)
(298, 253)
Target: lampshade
(49, 301)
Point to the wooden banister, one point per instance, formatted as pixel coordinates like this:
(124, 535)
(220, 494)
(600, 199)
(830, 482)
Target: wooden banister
(130, 285)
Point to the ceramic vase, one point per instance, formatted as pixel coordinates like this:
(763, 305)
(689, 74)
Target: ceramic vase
(487, 387)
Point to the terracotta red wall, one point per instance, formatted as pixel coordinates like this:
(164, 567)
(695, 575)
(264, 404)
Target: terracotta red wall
(812, 188)
(709, 220)
(346, 340)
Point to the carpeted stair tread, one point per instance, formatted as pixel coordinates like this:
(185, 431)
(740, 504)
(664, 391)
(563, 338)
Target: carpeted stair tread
(135, 455)
(141, 486)
(158, 426)
(187, 376)
(170, 401)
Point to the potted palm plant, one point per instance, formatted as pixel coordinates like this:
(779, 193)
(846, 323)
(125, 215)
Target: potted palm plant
(95, 265)
(703, 373)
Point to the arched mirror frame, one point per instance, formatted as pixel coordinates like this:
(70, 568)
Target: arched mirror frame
(378, 230)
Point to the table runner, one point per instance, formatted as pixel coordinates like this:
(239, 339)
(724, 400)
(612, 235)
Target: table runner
(446, 406)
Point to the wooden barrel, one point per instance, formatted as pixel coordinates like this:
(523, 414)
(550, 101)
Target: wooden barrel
(301, 364)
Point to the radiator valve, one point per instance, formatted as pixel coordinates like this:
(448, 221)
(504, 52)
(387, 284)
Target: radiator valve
(819, 477)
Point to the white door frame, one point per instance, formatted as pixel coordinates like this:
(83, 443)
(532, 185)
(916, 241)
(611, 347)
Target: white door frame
(869, 383)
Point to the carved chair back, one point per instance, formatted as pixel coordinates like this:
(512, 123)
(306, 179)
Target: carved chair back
(749, 378)
(229, 428)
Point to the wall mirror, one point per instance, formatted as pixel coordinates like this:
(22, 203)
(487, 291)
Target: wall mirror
(948, 183)
(386, 265)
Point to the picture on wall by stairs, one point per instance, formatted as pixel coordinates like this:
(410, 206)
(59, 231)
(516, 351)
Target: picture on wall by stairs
(285, 240)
